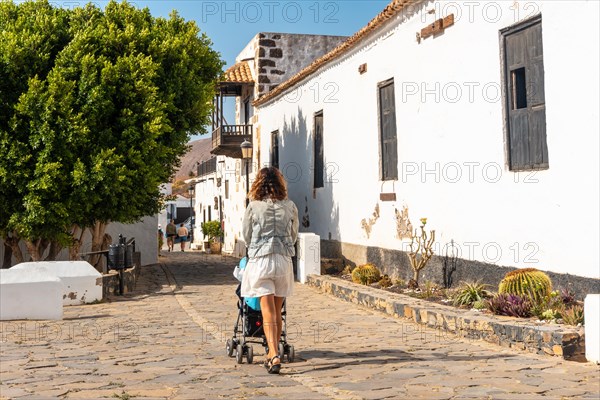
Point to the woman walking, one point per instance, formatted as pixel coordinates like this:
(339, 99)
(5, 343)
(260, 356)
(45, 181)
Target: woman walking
(270, 227)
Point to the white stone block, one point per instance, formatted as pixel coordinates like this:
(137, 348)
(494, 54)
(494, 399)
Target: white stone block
(82, 283)
(591, 310)
(31, 294)
(308, 255)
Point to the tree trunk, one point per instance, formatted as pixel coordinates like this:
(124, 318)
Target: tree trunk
(97, 232)
(13, 243)
(34, 249)
(6, 263)
(55, 248)
(416, 276)
(75, 246)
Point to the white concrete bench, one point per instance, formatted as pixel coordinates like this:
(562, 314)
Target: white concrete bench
(31, 294)
(81, 282)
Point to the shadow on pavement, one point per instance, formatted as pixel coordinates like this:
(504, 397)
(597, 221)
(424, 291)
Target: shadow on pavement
(327, 359)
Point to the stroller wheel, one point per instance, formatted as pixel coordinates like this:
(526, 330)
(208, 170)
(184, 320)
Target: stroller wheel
(239, 354)
(229, 347)
(291, 354)
(250, 354)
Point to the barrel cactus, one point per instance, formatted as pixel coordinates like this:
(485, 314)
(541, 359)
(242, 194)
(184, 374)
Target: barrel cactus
(527, 282)
(366, 274)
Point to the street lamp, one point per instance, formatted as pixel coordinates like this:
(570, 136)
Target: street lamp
(247, 156)
(192, 221)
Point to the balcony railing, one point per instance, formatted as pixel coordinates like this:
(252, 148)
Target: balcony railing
(226, 139)
(207, 167)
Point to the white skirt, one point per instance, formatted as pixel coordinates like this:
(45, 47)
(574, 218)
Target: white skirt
(270, 274)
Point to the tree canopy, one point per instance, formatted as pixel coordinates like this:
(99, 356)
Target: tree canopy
(96, 107)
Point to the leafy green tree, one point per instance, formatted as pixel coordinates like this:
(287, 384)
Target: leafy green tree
(33, 33)
(108, 122)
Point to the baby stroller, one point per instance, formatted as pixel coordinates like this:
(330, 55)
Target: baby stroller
(248, 328)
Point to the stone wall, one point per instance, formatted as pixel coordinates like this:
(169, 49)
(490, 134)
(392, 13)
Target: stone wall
(280, 56)
(395, 263)
(441, 322)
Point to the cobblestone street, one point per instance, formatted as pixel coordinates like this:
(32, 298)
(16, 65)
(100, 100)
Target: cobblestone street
(166, 340)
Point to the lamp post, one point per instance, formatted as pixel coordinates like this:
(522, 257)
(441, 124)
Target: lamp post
(247, 156)
(192, 221)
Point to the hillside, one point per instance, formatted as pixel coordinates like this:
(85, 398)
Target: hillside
(199, 151)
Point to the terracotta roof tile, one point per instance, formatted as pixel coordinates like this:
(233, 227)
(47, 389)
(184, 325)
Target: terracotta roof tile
(392, 9)
(239, 72)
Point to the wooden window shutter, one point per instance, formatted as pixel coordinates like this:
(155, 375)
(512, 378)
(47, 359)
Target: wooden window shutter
(525, 103)
(318, 156)
(389, 142)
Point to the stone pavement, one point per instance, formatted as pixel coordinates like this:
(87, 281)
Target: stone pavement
(167, 341)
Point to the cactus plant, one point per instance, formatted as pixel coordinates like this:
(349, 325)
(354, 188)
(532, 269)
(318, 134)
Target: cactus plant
(420, 250)
(366, 274)
(528, 282)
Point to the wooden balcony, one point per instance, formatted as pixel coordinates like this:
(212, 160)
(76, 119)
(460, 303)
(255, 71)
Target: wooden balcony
(226, 140)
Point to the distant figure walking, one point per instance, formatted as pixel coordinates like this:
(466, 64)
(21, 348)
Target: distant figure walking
(182, 234)
(171, 233)
(160, 238)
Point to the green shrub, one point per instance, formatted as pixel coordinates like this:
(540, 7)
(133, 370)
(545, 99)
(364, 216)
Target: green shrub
(366, 274)
(527, 282)
(212, 230)
(470, 292)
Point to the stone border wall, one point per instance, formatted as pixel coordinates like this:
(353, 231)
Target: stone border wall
(395, 263)
(110, 281)
(447, 321)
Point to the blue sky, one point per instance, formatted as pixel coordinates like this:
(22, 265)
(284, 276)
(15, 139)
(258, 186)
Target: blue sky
(232, 24)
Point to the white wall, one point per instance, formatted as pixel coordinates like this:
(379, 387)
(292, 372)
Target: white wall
(144, 232)
(545, 219)
(233, 204)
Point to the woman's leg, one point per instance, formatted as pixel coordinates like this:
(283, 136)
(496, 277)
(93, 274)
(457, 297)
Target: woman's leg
(269, 314)
(278, 306)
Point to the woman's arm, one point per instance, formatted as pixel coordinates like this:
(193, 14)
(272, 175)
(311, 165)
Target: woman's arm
(295, 223)
(247, 225)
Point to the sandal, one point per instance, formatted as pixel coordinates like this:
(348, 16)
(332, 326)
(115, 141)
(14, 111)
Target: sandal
(273, 368)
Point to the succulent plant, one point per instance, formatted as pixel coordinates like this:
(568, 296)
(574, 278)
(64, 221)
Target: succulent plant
(366, 274)
(511, 305)
(385, 281)
(347, 270)
(567, 297)
(471, 292)
(573, 315)
(480, 304)
(527, 282)
(550, 314)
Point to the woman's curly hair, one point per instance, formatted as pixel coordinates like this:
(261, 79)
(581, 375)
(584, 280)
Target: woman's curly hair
(268, 184)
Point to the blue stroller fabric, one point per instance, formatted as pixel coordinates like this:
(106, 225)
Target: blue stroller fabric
(252, 302)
